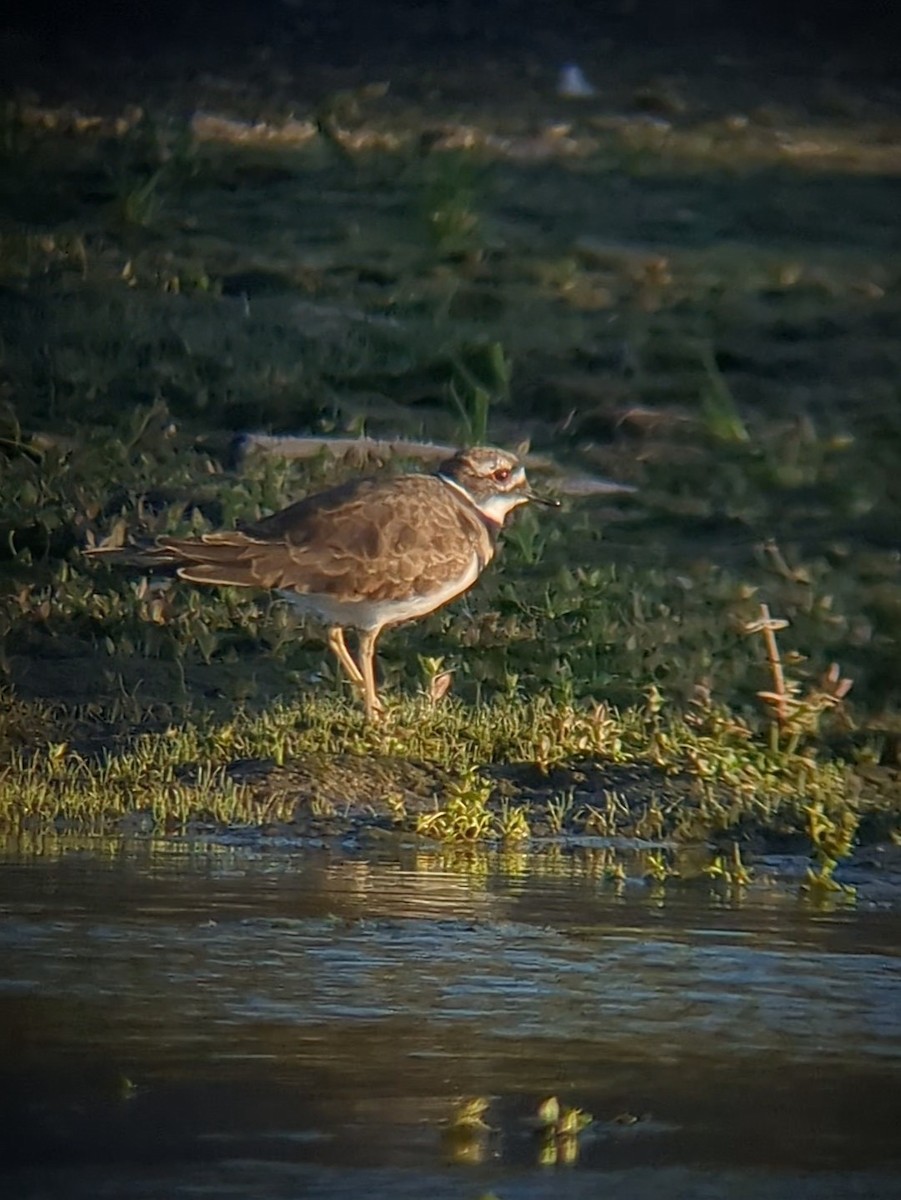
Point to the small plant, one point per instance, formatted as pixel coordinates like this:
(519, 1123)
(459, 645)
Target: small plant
(527, 538)
(322, 807)
(465, 1137)
(481, 379)
(148, 159)
(730, 869)
(558, 1127)
(138, 201)
(469, 1114)
(465, 817)
(438, 681)
(512, 823)
(448, 201)
(833, 840)
(559, 812)
(397, 807)
(657, 869)
(720, 412)
(601, 822)
(614, 872)
(793, 715)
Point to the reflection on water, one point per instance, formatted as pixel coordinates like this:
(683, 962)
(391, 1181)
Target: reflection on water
(180, 1019)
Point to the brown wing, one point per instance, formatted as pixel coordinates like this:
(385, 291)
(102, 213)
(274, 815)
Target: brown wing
(372, 539)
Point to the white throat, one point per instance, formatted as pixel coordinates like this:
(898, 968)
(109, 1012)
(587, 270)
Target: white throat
(495, 508)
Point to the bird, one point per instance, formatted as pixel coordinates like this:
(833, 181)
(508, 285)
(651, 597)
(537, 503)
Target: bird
(364, 555)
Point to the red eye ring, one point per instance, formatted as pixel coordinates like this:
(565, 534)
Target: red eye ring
(502, 474)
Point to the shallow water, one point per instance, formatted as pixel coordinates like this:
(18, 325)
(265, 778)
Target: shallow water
(181, 1020)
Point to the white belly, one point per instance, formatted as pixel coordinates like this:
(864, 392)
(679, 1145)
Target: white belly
(376, 614)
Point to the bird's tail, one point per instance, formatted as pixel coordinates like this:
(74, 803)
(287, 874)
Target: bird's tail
(148, 557)
(212, 559)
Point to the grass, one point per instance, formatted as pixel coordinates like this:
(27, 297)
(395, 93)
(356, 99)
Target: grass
(680, 308)
(691, 778)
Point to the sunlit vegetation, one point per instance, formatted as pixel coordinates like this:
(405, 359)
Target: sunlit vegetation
(678, 664)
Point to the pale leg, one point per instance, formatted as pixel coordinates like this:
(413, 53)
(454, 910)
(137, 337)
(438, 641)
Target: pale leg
(368, 638)
(338, 646)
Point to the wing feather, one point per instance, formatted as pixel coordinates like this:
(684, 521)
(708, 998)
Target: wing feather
(373, 539)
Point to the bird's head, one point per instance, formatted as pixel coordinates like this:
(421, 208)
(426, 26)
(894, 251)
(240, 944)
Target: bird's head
(493, 480)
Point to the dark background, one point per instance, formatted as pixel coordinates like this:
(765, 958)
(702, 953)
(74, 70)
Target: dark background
(346, 33)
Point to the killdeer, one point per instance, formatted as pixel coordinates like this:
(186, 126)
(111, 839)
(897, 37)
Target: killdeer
(365, 555)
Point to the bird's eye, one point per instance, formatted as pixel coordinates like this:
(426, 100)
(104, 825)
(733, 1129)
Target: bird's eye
(502, 474)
